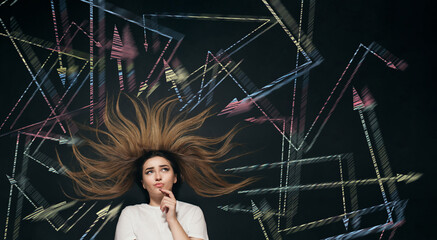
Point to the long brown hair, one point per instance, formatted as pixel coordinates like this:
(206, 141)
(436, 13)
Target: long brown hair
(112, 169)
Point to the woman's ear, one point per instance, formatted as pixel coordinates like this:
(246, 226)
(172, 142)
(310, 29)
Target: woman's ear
(175, 179)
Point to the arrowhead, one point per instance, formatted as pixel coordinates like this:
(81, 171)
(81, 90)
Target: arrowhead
(63, 140)
(391, 65)
(358, 103)
(411, 177)
(255, 211)
(117, 45)
(401, 65)
(170, 75)
(51, 212)
(103, 211)
(11, 180)
(51, 169)
(236, 107)
(224, 208)
(230, 107)
(142, 88)
(62, 72)
(35, 214)
(69, 141)
(346, 222)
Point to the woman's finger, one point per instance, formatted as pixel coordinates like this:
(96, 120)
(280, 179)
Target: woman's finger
(169, 193)
(164, 207)
(168, 203)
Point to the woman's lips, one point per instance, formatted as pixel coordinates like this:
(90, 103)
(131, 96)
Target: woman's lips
(159, 185)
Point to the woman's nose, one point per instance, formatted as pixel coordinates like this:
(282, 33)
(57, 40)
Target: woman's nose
(158, 176)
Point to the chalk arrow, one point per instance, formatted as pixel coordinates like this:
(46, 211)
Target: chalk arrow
(236, 107)
(42, 214)
(62, 71)
(255, 210)
(346, 222)
(171, 76)
(117, 45)
(257, 216)
(235, 208)
(103, 211)
(69, 141)
(358, 103)
(11, 180)
(411, 177)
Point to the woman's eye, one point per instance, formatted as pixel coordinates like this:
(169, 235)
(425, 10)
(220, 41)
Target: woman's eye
(165, 169)
(148, 172)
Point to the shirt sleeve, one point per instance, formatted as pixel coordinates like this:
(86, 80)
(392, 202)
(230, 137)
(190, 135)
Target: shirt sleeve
(197, 226)
(124, 229)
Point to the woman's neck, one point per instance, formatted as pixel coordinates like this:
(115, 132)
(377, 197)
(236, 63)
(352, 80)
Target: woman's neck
(155, 201)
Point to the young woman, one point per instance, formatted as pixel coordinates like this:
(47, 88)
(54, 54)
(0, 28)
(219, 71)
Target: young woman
(156, 149)
(164, 217)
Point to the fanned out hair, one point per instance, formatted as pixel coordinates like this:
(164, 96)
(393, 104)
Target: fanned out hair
(154, 128)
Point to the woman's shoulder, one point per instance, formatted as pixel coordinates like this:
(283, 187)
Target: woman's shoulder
(133, 208)
(187, 207)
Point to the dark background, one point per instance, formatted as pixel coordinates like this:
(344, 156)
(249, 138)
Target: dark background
(405, 111)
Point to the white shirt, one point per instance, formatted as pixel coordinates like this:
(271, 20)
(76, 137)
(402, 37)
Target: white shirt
(145, 222)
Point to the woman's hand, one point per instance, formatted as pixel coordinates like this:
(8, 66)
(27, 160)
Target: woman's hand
(168, 205)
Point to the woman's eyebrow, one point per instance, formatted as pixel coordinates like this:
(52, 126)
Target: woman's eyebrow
(154, 167)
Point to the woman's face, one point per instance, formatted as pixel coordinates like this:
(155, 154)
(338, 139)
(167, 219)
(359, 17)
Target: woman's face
(158, 173)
